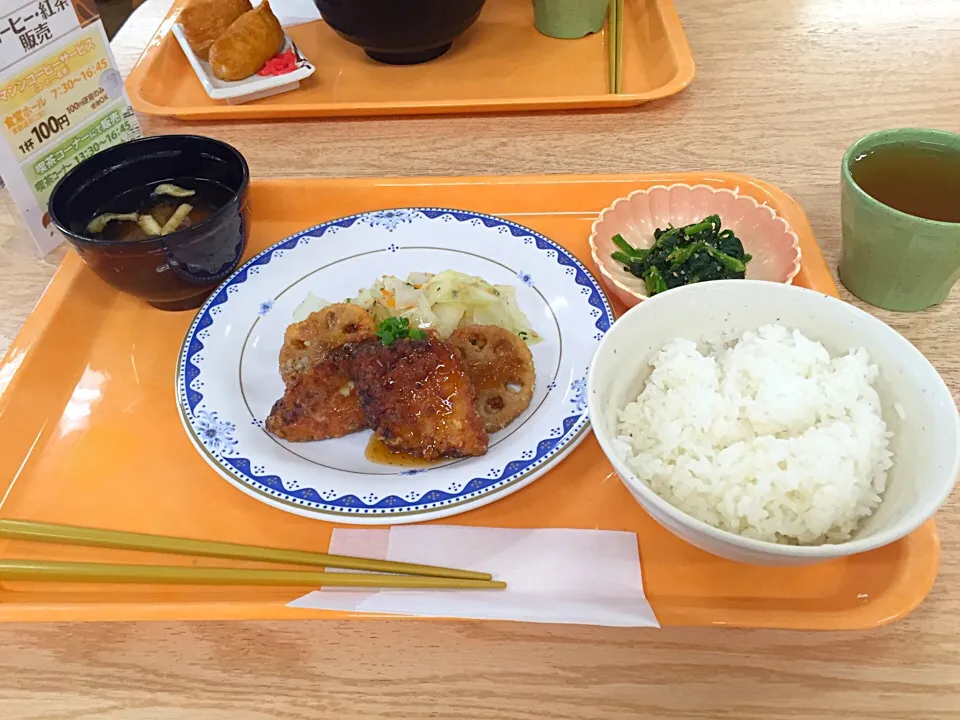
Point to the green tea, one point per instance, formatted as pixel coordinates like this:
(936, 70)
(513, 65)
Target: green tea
(920, 180)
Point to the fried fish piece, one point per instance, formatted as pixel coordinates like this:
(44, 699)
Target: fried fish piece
(418, 398)
(500, 366)
(203, 21)
(244, 47)
(320, 403)
(308, 342)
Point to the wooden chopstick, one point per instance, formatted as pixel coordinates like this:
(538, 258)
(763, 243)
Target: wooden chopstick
(613, 42)
(78, 572)
(120, 540)
(618, 88)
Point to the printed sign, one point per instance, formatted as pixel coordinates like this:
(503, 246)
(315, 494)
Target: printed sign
(61, 101)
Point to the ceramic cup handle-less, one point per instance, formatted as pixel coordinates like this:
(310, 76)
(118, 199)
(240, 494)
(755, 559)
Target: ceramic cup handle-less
(569, 19)
(891, 259)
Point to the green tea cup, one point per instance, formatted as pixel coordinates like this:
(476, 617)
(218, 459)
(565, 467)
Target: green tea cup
(569, 19)
(891, 258)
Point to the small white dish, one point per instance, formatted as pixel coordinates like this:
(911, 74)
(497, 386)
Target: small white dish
(916, 404)
(252, 88)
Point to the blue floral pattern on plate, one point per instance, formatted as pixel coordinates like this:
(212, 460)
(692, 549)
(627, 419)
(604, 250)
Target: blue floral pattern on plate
(389, 219)
(217, 433)
(578, 393)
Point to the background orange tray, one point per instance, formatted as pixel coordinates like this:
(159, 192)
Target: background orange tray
(91, 437)
(502, 63)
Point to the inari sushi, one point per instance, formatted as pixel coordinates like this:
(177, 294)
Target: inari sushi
(245, 46)
(203, 21)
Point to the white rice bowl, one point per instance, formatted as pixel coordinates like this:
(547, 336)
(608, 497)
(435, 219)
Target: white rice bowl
(768, 437)
(917, 407)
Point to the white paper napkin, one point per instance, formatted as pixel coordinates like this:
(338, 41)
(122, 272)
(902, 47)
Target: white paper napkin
(583, 577)
(293, 12)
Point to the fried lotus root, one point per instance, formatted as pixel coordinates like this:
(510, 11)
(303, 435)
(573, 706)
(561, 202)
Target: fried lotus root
(319, 404)
(248, 43)
(306, 343)
(203, 21)
(500, 366)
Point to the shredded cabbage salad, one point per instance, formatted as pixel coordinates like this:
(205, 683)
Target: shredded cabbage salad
(444, 302)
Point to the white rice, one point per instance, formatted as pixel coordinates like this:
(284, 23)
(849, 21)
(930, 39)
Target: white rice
(770, 438)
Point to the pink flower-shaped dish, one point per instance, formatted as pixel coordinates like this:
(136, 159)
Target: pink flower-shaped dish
(764, 234)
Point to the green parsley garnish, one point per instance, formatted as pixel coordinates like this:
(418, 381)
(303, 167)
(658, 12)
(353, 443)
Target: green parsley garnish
(398, 328)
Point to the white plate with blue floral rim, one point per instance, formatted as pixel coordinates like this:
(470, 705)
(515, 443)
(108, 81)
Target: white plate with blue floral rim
(228, 376)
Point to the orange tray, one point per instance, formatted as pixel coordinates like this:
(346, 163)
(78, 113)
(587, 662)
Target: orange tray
(91, 437)
(502, 63)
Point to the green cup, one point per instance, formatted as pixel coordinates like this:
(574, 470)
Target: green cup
(569, 19)
(891, 259)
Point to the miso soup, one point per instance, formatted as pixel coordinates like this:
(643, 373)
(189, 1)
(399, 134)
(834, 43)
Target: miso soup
(142, 214)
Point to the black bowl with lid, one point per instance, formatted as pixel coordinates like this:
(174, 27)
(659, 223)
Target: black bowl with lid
(400, 32)
(175, 271)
